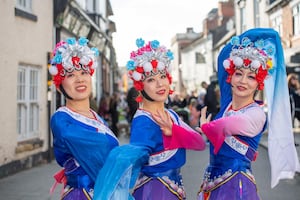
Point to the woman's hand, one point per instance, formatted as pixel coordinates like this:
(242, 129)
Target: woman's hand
(164, 120)
(203, 118)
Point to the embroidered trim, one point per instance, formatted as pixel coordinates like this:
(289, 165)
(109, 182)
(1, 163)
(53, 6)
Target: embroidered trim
(98, 124)
(237, 145)
(211, 184)
(161, 157)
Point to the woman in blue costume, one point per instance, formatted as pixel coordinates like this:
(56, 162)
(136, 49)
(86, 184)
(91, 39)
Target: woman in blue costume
(81, 139)
(249, 63)
(155, 172)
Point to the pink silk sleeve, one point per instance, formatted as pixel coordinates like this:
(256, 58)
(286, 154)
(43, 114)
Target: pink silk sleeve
(248, 124)
(183, 137)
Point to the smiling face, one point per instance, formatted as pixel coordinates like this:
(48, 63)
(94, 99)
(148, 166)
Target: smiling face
(77, 84)
(157, 87)
(244, 84)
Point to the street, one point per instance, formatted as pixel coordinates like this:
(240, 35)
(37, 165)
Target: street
(34, 184)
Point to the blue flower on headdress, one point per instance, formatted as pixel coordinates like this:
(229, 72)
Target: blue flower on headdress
(71, 41)
(130, 65)
(271, 71)
(95, 50)
(246, 41)
(83, 41)
(154, 44)
(140, 42)
(260, 43)
(270, 50)
(58, 58)
(170, 55)
(235, 40)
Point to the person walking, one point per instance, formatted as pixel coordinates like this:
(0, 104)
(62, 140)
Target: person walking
(246, 65)
(81, 138)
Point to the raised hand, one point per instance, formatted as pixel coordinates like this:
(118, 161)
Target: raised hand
(164, 120)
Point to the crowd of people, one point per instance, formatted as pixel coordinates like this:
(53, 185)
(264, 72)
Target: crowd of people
(164, 125)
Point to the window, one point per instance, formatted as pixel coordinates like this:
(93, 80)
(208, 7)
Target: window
(277, 24)
(28, 104)
(24, 9)
(199, 58)
(25, 5)
(243, 20)
(296, 19)
(243, 17)
(256, 13)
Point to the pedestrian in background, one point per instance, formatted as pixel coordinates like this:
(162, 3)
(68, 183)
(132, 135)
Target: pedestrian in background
(132, 103)
(294, 91)
(243, 67)
(195, 113)
(114, 112)
(81, 138)
(211, 100)
(103, 108)
(202, 93)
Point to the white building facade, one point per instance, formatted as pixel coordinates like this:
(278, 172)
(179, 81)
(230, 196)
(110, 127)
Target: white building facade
(26, 37)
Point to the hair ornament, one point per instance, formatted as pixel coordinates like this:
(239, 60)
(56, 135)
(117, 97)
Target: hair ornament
(70, 55)
(256, 56)
(148, 60)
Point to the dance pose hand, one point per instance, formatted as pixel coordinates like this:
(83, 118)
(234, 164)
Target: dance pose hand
(164, 120)
(203, 118)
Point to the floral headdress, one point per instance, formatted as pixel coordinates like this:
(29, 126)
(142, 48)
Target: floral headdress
(148, 60)
(246, 54)
(72, 55)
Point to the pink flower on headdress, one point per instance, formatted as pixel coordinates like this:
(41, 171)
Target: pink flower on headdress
(132, 55)
(147, 47)
(140, 51)
(61, 43)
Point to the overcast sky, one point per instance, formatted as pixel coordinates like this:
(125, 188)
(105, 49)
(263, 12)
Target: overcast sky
(154, 20)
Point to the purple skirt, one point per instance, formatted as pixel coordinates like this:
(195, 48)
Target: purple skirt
(239, 186)
(76, 194)
(157, 188)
